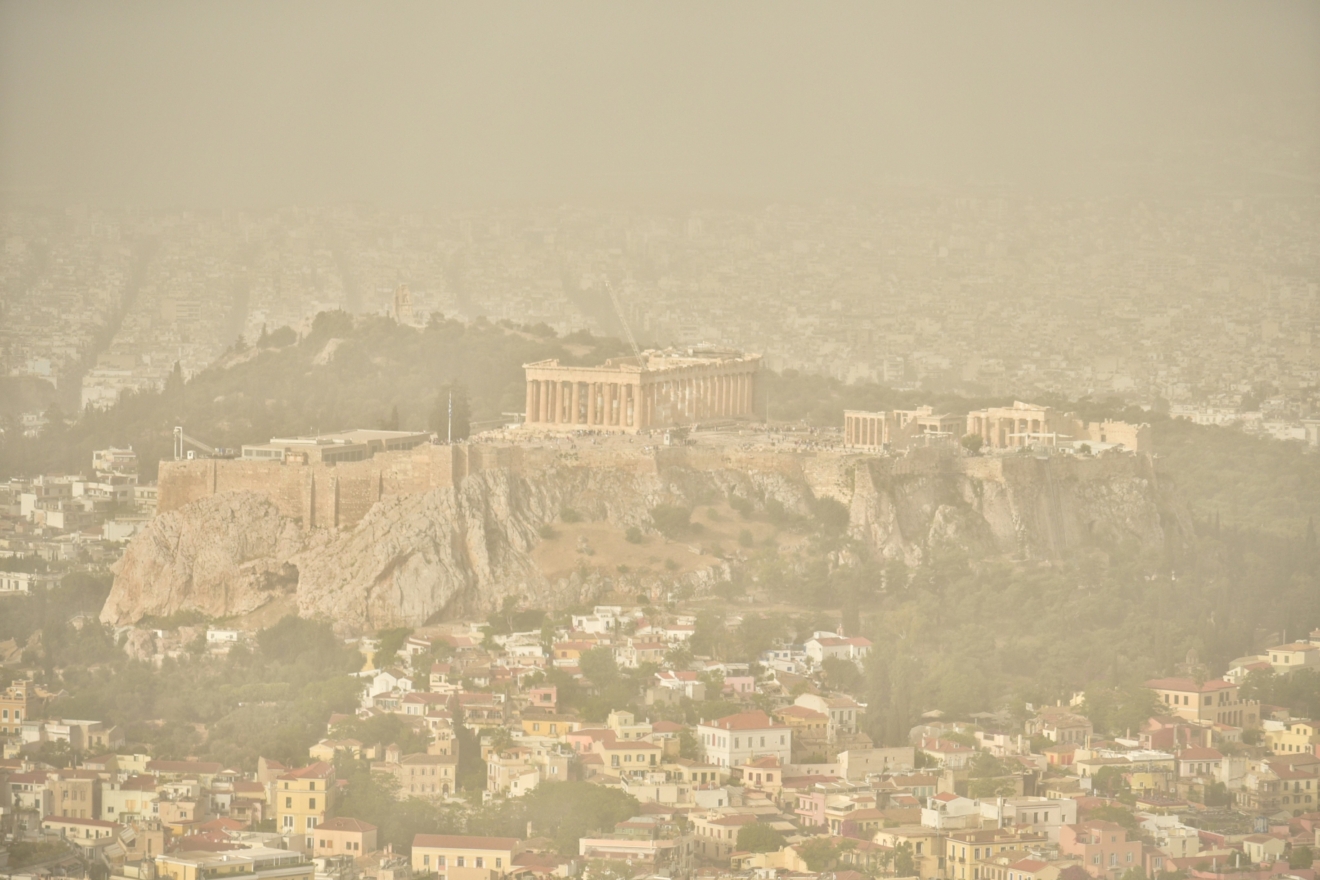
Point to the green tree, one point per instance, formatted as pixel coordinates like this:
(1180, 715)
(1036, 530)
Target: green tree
(672, 520)
(568, 811)
(391, 640)
(759, 837)
(1300, 857)
(820, 853)
(905, 865)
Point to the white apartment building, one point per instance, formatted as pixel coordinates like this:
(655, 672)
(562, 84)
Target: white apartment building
(735, 739)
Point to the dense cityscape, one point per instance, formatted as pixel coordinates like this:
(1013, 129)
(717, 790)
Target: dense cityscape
(1206, 306)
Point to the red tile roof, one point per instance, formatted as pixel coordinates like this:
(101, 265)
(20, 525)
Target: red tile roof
(755, 720)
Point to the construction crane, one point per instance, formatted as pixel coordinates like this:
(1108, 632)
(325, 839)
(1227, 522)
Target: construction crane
(181, 439)
(623, 322)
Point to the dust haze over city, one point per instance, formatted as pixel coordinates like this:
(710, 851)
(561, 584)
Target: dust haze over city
(769, 441)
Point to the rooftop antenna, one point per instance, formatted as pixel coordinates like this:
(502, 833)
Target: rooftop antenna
(623, 322)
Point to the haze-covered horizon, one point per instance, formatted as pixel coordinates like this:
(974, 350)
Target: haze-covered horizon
(253, 105)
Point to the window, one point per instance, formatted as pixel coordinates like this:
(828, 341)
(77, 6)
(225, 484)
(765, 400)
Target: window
(426, 860)
(288, 821)
(461, 861)
(288, 803)
(499, 862)
(481, 862)
(311, 803)
(440, 861)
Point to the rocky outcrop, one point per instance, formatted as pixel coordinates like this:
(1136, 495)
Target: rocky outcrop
(1046, 507)
(461, 550)
(223, 555)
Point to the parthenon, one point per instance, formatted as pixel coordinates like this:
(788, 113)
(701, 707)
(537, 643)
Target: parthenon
(660, 389)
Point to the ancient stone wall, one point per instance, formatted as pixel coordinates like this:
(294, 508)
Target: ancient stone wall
(317, 494)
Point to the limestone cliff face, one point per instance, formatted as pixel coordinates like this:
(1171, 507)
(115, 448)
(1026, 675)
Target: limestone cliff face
(1044, 508)
(461, 550)
(223, 555)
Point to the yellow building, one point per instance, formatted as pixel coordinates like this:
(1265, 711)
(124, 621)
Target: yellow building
(926, 845)
(1216, 701)
(1296, 737)
(15, 707)
(628, 759)
(535, 724)
(462, 857)
(303, 801)
(973, 855)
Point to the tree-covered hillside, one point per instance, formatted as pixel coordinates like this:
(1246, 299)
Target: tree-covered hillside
(346, 373)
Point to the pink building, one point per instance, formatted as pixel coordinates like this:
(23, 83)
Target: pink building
(1102, 847)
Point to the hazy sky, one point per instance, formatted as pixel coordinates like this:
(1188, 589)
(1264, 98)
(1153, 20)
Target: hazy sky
(234, 103)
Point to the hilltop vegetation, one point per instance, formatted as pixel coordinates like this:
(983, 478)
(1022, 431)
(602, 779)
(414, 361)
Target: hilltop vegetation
(364, 372)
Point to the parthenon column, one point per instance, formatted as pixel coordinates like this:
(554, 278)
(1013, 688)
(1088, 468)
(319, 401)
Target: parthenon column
(591, 403)
(576, 404)
(531, 402)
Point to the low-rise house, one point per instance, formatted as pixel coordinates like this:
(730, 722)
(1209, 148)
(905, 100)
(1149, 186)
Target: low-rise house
(859, 764)
(1298, 736)
(949, 755)
(683, 682)
(650, 843)
(973, 854)
(1263, 848)
(843, 711)
(131, 799)
(78, 829)
(1215, 701)
(1296, 655)
(1199, 763)
(1060, 725)
(1039, 815)
(715, 835)
(630, 759)
(343, 836)
(947, 810)
(1102, 848)
(464, 857)
(827, 646)
(925, 844)
(734, 739)
(421, 775)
